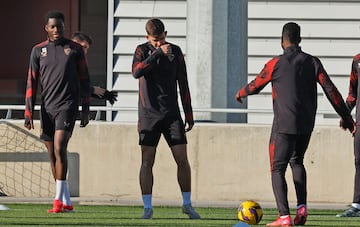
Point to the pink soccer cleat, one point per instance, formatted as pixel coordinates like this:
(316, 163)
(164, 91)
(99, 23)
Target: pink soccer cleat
(57, 207)
(301, 215)
(281, 222)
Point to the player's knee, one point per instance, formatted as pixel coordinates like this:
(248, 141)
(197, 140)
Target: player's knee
(357, 163)
(278, 167)
(296, 163)
(147, 164)
(183, 163)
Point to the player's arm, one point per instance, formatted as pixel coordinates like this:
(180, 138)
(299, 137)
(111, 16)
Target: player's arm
(352, 95)
(84, 88)
(31, 88)
(260, 81)
(141, 65)
(185, 92)
(334, 96)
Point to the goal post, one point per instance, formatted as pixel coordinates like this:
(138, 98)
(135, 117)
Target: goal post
(24, 165)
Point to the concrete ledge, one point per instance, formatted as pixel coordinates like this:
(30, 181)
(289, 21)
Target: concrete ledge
(229, 163)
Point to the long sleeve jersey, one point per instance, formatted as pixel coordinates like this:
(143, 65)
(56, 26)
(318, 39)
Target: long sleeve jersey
(61, 68)
(158, 78)
(354, 89)
(294, 76)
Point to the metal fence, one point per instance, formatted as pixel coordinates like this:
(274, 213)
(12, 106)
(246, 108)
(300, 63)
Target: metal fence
(98, 109)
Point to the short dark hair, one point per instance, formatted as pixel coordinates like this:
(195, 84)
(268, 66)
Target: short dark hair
(154, 27)
(54, 14)
(81, 36)
(291, 31)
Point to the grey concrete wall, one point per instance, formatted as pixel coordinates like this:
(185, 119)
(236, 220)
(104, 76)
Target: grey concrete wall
(229, 163)
(198, 54)
(229, 57)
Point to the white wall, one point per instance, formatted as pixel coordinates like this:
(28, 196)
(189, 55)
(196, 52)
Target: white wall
(129, 18)
(329, 29)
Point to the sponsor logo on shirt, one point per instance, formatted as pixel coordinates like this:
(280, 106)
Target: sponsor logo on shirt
(66, 124)
(43, 52)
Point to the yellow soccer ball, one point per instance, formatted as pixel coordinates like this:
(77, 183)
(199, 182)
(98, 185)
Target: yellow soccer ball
(250, 212)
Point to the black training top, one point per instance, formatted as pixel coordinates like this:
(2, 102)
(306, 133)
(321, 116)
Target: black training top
(158, 78)
(62, 70)
(294, 76)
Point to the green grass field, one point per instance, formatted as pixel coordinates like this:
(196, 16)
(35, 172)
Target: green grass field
(99, 215)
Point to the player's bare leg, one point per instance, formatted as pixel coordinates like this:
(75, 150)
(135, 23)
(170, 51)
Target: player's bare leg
(50, 148)
(61, 140)
(184, 178)
(59, 160)
(147, 178)
(146, 172)
(183, 167)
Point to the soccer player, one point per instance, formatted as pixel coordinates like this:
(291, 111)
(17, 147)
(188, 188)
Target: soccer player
(351, 102)
(97, 92)
(160, 67)
(60, 66)
(294, 76)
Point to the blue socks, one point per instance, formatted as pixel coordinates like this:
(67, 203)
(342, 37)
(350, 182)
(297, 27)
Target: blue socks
(186, 198)
(147, 200)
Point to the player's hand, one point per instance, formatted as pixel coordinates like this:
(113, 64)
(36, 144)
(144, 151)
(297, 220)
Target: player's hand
(238, 98)
(166, 49)
(84, 119)
(29, 124)
(111, 96)
(99, 91)
(189, 124)
(348, 123)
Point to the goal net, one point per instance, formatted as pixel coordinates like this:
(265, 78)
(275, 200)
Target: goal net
(24, 164)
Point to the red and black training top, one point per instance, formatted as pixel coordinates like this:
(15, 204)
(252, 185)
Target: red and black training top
(62, 70)
(354, 90)
(158, 77)
(294, 76)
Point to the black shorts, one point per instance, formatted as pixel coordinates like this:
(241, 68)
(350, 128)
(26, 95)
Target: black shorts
(56, 120)
(150, 130)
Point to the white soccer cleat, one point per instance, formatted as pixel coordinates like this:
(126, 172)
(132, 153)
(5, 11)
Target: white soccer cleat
(3, 207)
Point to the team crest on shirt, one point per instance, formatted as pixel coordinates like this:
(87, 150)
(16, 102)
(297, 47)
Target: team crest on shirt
(171, 57)
(43, 52)
(67, 50)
